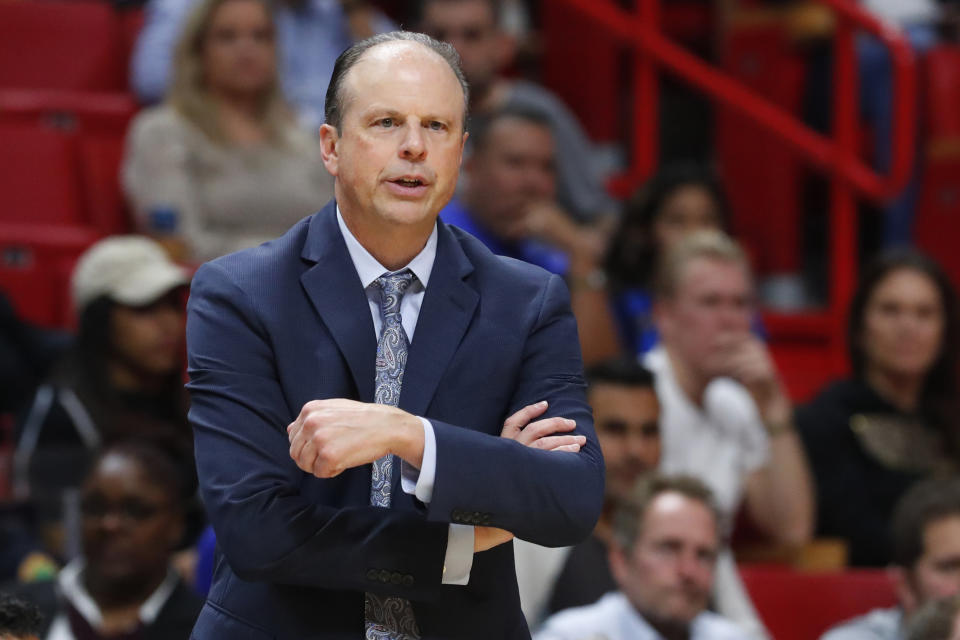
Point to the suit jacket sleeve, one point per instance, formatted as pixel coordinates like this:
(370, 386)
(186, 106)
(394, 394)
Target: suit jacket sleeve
(549, 498)
(247, 479)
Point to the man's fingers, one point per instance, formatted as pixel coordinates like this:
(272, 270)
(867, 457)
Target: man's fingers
(560, 443)
(537, 430)
(515, 423)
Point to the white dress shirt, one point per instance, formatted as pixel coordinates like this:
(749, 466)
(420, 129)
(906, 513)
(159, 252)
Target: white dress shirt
(419, 482)
(612, 617)
(72, 589)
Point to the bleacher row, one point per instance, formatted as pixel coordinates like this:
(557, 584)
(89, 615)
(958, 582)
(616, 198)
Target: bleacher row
(64, 111)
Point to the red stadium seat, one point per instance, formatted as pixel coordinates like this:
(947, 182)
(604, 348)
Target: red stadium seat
(61, 45)
(39, 176)
(95, 123)
(761, 175)
(35, 266)
(942, 65)
(937, 221)
(796, 605)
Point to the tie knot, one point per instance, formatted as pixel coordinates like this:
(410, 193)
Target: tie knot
(392, 286)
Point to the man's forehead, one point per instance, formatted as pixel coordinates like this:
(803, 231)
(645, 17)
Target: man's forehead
(390, 60)
(389, 56)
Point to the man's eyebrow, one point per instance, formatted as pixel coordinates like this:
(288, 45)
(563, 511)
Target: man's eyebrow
(380, 110)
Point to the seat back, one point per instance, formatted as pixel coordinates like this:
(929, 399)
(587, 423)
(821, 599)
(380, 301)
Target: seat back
(61, 45)
(39, 176)
(35, 266)
(797, 605)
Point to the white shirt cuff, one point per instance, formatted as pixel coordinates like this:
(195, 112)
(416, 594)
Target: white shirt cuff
(419, 482)
(459, 559)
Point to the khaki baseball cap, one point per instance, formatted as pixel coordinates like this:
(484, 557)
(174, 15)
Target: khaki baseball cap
(130, 270)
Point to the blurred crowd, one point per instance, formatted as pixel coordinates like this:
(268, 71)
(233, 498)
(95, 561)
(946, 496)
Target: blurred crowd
(709, 460)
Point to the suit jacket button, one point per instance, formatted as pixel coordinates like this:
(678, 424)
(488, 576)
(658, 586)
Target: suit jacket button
(384, 576)
(373, 574)
(408, 580)
(395, 578)
(455, 515)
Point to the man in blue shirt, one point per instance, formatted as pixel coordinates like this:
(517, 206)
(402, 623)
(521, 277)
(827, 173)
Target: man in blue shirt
(509, 200)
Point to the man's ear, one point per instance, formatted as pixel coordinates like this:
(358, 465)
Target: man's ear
(463, 145)
(903, 586)
(617, 557)
(329, 148)
(506, 50)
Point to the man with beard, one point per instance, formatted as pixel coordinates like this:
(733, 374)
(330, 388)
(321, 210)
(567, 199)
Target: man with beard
(666, 537)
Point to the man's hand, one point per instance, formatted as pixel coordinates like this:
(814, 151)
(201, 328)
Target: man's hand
(330, 436)
(539, 435)
(747, 360)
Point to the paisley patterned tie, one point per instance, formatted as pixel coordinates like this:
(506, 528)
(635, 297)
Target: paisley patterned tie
(389, 617)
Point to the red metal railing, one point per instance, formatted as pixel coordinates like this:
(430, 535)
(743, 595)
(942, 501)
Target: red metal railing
(835, 154)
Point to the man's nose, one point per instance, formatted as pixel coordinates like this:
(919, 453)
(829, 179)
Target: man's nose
(413, 145)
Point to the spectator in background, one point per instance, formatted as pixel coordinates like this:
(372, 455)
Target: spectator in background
(726, 417)
(926, 561)
(895, 420)
(626, 417)
(510, 204)
(26, 354)
(19, 620)
(123, 586)
(123, 376)
(311, 34)
(679, 200)
(473, 28)
(224, 157)
(666, 537)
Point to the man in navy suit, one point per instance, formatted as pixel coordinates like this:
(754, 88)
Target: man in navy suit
(351, 382)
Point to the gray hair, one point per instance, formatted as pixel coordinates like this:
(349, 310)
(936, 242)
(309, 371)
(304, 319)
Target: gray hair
(630, 512)
(334, 102)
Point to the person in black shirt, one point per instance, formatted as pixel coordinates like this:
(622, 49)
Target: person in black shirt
(894, 421)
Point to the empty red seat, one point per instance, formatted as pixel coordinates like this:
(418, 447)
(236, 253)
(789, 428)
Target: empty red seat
(942, 65)
(760, 173)
(796, 605)
(95, 123)
(937, 221)
(61, 45)
(35, 266)
(39, 176)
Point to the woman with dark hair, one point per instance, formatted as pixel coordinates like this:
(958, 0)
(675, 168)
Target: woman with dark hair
(895, 420)
(679, 200)
(122, 378)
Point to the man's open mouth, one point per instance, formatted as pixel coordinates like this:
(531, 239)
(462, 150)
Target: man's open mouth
(408, 182)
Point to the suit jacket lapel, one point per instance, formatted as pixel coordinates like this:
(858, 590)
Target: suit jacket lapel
(446, 312)
(334, 288)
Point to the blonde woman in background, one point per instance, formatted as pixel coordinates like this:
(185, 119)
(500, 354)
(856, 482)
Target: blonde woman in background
(222, 164)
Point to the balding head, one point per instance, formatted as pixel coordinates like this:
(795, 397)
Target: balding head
(389, 44)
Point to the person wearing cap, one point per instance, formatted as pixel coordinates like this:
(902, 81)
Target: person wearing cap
(121, 378)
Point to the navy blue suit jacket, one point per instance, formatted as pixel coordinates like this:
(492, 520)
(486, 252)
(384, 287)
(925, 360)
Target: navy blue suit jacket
(274, 327)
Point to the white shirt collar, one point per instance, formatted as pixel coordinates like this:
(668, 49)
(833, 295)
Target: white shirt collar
(369, 268)
(72, 588)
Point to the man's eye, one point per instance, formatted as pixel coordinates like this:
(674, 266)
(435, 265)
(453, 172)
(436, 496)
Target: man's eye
(385, 122)
(437, 126)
